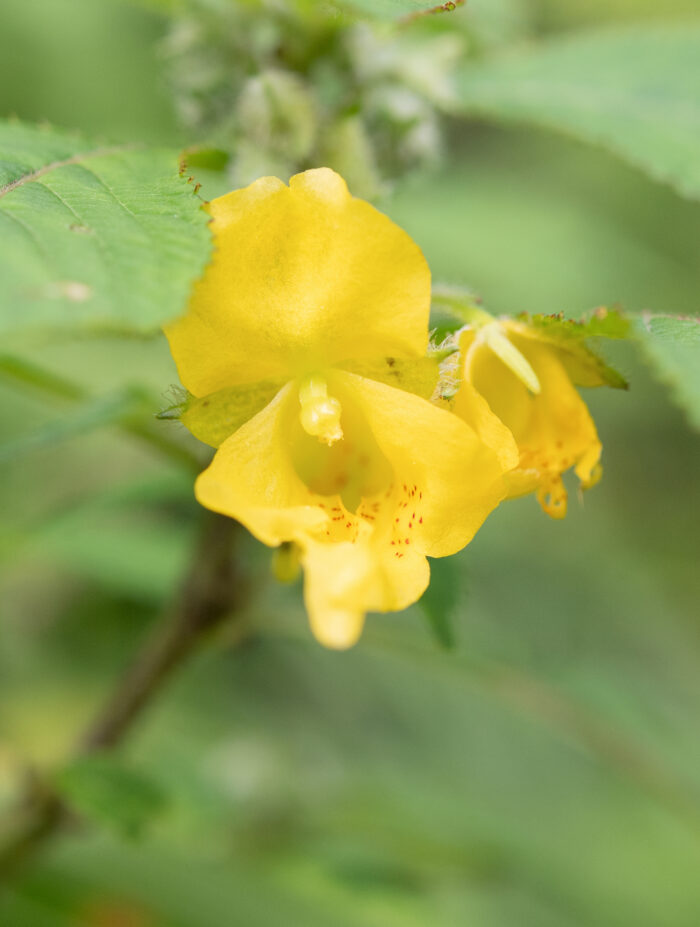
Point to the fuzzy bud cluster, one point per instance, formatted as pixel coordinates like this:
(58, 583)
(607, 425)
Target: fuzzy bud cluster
(282, 87)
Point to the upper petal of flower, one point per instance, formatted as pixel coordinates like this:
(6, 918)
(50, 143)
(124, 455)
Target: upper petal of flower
(303, 276)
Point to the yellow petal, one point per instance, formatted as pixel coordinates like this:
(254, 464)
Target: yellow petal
(446, 479)
(553, 430)
(302, 277)
(471, 406)
(252, 477)
(344, 581)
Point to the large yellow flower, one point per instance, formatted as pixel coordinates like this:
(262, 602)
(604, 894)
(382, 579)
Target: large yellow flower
(526, 379)
(304, 351)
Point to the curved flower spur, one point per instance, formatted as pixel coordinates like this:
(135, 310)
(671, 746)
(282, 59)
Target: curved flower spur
(304, 351)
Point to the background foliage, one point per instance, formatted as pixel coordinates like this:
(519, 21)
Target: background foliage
(542, 771)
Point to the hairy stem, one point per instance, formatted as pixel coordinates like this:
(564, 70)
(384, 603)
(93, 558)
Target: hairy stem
(210, 593)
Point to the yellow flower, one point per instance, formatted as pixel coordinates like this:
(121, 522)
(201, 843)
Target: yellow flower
(515, 376)
(304, 349)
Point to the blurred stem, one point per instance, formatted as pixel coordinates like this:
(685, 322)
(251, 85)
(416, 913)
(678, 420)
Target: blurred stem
(135, 417)
(211, 592)
(460, 304)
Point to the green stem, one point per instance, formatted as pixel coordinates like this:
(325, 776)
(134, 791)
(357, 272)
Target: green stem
(460, 304)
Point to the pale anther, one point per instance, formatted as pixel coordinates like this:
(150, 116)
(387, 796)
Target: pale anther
(320, 413)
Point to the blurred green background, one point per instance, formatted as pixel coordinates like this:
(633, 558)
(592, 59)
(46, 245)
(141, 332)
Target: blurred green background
(545, 772)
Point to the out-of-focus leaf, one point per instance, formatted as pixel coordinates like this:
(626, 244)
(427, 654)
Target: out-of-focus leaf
(105, 410)
(672, 345)
(441, 598)
(635, 91)
(106, 791)
(93, 238)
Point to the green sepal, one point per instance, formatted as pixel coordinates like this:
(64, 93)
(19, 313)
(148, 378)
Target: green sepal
(417, 375)
(215, 417)
(570, 337)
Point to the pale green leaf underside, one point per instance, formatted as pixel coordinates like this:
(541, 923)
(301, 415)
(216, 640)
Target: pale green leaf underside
(672, 345)
(93, 238)
(635, 91)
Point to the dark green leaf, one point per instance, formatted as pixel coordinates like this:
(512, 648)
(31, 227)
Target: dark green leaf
(94, 238)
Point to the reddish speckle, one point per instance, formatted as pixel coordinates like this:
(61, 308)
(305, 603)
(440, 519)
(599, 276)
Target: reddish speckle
(407, 541)
(410, 524)
(348, 524)
(420, 521)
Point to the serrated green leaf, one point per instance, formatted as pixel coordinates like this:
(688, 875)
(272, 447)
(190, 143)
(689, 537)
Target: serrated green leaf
(93, 238)
(672, 345)
(570, 337)
(104, 790)
(635, 91)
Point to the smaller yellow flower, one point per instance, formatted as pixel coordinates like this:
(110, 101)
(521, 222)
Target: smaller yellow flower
(526, 379)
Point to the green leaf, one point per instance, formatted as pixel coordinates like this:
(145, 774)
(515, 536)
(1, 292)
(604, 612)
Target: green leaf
(104, 790)
(441, 599)
(672, 345)
(635, 91)
(94, 238)
(97, 413)
(584, 365)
